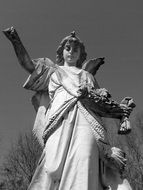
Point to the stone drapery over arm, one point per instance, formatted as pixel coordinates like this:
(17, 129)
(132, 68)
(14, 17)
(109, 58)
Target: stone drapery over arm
(98, 100)
(39, 79)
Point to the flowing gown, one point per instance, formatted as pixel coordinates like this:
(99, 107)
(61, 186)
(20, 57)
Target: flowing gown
(70, 158)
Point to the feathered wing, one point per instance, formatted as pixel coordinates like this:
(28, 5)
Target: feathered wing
(93, 65)
(38, 81)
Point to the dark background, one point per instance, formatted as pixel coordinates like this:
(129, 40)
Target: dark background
(113, 29)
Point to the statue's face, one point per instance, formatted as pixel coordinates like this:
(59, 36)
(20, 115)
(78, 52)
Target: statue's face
(71, 53)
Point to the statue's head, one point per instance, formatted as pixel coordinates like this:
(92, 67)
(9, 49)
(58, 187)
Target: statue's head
(72, 38)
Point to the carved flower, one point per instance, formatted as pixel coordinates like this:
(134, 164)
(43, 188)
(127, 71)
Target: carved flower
(103, 93)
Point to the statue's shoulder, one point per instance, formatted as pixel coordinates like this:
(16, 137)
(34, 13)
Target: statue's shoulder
(43, 62)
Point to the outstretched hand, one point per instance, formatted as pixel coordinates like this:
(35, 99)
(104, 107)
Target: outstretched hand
(21, 53)
(125, 110)
(11, 34)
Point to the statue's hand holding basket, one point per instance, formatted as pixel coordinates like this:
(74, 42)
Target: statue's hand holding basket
(101, 103)
(127, 104)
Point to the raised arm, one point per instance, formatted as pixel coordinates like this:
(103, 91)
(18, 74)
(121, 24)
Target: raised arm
(21, 53)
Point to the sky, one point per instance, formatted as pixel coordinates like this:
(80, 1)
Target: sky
(112, 29)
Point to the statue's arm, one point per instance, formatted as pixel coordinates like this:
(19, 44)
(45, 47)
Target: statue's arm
(21, 53)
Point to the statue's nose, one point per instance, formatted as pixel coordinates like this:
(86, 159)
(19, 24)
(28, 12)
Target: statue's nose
(71, 50)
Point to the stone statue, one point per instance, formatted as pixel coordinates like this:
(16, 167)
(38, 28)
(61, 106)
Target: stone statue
(70, 106)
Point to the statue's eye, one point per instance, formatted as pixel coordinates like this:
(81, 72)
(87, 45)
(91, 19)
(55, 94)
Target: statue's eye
(67, 47)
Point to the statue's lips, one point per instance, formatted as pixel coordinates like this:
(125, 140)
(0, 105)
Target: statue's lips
(70, 56)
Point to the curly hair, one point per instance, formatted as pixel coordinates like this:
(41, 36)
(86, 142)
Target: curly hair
(79, 43)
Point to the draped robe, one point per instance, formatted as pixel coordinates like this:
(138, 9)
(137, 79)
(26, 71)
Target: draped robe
(73, 136)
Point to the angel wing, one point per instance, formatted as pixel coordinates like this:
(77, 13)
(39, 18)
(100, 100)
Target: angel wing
(93, 65)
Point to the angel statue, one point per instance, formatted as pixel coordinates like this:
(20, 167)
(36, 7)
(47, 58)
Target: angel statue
(70, 105)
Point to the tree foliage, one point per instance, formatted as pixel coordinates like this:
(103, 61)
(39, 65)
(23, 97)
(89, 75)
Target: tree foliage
(20, 163)
(132, 144)
(135, 153)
